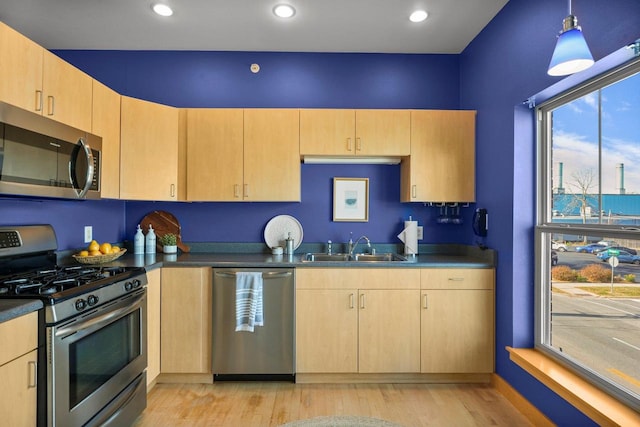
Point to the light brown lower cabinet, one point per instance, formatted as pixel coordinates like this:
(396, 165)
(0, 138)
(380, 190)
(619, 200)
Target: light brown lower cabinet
(185, 312)
(457, 321)
(357, 321)
(153, 325)
(377, 321)
(18, 370)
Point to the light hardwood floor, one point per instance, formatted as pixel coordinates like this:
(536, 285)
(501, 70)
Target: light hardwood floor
(272, 404)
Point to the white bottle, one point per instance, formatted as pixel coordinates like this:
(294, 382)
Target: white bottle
(150, 241)
(138, 242)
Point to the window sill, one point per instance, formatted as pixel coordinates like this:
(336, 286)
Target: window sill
(593, 402)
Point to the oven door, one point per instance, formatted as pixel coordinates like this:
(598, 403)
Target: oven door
(95, 358)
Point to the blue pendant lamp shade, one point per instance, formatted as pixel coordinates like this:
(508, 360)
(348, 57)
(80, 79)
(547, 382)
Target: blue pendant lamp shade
(571, 53)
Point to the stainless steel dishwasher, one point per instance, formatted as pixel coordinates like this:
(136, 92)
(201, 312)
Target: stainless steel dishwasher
(267, 353)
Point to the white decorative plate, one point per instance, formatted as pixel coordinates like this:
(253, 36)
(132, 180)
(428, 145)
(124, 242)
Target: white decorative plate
(278, 229)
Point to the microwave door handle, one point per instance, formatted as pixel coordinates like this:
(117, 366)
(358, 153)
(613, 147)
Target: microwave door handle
(89, 178)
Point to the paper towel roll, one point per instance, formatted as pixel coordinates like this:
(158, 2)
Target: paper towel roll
(409, 236)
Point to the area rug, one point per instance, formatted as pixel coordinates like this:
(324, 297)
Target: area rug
(341, 421)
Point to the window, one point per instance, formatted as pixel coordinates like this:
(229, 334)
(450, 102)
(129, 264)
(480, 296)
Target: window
(588, 231)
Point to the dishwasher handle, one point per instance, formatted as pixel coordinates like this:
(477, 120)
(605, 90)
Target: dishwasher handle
(265, 274)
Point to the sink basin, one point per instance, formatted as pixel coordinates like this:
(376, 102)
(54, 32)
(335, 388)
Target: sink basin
(378, 257)
(326, 257)
(323, 257)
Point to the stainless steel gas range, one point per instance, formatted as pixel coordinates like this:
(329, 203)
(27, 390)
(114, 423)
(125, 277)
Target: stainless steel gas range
(92, 368)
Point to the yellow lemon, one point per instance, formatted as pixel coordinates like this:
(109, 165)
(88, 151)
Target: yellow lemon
(83, 253)
(93, 246)
(105, 248)
(115, 249)
(95, 253)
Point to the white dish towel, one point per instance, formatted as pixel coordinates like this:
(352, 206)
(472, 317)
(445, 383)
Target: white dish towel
(249, 310)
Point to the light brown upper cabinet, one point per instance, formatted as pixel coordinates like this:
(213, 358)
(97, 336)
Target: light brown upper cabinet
(271, 155)
(148, 151)
(106, 123)
(34, 79)
(214, 154)
(355, 132)
(243, 155)
(441, 167)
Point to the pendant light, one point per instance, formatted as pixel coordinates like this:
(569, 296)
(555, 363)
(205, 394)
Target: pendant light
(571, 53)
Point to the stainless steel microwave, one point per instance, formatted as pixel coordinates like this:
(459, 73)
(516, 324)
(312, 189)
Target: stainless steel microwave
(44, 158)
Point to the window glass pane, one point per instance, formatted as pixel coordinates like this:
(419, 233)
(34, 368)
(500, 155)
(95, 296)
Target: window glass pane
(589, 323)
(595, 156)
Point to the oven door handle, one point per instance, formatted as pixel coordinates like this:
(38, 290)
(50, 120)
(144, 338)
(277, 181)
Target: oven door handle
(103, 319)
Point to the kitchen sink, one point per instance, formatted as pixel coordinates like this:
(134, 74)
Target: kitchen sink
(324, 257)
(378, 257)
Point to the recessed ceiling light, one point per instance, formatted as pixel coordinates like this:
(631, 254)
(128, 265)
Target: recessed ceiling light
(418, 16)
(162, 9)
(284, 11)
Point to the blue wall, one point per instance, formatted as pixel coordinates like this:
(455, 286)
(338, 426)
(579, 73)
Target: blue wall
(502, 67)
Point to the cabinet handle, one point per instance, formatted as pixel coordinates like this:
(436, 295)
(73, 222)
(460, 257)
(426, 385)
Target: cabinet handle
(358, 144)
(246, 190)
(413, 191)
(33, 374)
(349, 144)
(456, 279)
(362, 301)
(51, 105)
(351, 300)
(172, 190)
(38, 100)
(425, 302)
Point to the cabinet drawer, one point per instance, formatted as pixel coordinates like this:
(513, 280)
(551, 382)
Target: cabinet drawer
(452, 278)
(357, 278)
(18, 336)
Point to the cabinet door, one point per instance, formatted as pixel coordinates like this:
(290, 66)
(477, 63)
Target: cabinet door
(457, 331)
(148, 151)
(214, 154)
(441, 167)
(271, 155)
(327, 132)
(153, 325)
(67, 92)
(389, 338)
(20, 70)
(185, 311)
(326, 331)
(19, 391)
(383, 132)
(106, 124)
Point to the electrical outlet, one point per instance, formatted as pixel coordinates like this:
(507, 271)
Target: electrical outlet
(420, 236)
(88, 233)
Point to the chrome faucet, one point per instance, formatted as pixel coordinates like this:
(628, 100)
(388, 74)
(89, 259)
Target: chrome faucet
(353, 247)
(329, 250)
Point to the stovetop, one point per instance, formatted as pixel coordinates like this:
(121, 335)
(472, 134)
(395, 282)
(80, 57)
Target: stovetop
(28, 269)
(59, 283)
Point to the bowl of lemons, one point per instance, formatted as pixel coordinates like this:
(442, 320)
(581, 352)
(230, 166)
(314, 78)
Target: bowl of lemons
(99, 253)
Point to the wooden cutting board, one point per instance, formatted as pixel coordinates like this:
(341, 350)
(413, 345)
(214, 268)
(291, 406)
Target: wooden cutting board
(163, 223)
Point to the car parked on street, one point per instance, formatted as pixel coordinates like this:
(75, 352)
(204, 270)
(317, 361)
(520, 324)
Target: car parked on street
(616, 248)
(558, 246)
(589, 248)
(623, 256)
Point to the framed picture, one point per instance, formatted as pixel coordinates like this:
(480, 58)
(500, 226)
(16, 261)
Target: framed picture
(351, 199)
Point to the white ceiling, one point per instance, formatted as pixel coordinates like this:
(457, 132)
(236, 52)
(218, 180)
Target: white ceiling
(249, 25)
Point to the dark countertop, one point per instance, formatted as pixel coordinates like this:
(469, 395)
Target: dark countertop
(441, 256)
(12, 308)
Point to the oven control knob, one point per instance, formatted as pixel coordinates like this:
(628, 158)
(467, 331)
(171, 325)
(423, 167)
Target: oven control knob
(81, 304)
(128, 286)
(136, 283)
(92, 300)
